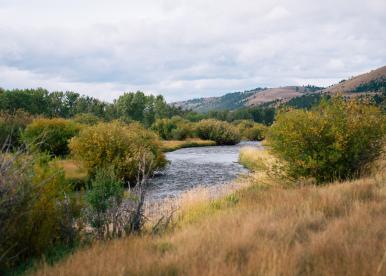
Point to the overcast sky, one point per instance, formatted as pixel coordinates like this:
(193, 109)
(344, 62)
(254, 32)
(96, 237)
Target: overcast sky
(186, 49)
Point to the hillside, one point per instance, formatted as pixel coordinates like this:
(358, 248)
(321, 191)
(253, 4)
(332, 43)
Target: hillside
(371, 83)
(368, 82)
(238, 100)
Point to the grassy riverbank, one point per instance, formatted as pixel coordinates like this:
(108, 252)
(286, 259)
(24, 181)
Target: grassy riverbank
(172, 145)
(78, 175)
(335, 229)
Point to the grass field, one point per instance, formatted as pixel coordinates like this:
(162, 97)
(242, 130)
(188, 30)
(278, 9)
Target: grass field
(335, 229)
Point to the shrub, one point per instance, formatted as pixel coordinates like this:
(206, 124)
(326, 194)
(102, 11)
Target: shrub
(178, 134)
(223, 133)
(106, 192)
(59, 131)
(335, 139)
(116, 144)
(255, 133)
(86, 119)
(12, 125)
(250, 130)
(37, 209)
(175, 128)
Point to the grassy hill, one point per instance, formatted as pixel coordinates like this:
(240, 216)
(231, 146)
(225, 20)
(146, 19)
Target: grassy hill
(239, 100)
(370, 84)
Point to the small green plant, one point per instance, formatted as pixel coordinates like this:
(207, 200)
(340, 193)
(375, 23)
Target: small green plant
(334, 140)
(105, 193)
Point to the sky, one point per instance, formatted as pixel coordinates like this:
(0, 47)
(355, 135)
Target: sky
(187, 49)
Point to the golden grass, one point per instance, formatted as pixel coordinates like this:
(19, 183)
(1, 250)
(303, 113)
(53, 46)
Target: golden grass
(192, 204)
(173, 145)
(336, 229)
(73, 172)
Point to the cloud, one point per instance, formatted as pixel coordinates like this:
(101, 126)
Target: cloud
(186, 49)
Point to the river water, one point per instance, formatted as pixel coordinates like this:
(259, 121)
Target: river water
(200, 165)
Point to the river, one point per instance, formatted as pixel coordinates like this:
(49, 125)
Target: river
(199, 165)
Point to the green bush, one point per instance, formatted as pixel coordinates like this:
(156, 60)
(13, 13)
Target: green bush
(223, 133)
(38, 209)
(86, 119)
(250, 130)
(116, 144)
(175, 128)
(255, 133)
(12, 125)
(105, 193)
(58, 132)
(334, 140)
(178, 134)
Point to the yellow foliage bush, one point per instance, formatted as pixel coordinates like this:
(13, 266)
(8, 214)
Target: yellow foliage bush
(59, 131)
(118, 145)
(337, 139)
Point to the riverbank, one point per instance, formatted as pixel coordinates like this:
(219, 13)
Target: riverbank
(173, 145)
(336, 229)
(78, 175)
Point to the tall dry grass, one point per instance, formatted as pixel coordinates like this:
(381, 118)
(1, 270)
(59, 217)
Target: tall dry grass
(336, 229)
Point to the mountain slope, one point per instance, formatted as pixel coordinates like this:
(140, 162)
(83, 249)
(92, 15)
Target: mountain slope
(362, 83)
(237, 100)
(370, 83)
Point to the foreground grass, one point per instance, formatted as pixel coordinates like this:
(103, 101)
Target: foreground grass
(173, 145)
(337, 229)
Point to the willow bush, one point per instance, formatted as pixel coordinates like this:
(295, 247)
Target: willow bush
(58, 132)
(250, 130)
(334, 140)
(38, 210)
(223, 133)
(176, 128)
(12, 124)
(117, 144)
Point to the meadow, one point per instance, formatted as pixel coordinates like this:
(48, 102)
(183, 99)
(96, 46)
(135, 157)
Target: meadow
(313, 202)
(335, 229)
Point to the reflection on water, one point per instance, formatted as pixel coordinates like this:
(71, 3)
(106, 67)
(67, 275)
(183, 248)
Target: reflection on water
(201, 165)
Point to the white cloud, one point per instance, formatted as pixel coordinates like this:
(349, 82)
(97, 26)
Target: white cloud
(186, 49)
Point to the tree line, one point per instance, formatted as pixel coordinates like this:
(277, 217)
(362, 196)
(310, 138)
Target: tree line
(131, 106)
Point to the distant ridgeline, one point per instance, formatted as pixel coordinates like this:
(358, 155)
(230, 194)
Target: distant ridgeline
(229, 101)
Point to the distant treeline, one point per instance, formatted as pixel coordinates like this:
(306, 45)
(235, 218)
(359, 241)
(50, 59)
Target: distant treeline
(306, 101)
(128, 107)
(375, 85)
(310, 100)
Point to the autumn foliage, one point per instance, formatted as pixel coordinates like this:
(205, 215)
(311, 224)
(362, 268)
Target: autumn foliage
(53, 134)
(116, 144)
(223, 133)
(334, 140)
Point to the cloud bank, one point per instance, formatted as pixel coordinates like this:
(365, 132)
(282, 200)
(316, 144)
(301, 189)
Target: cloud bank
(186, 49)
